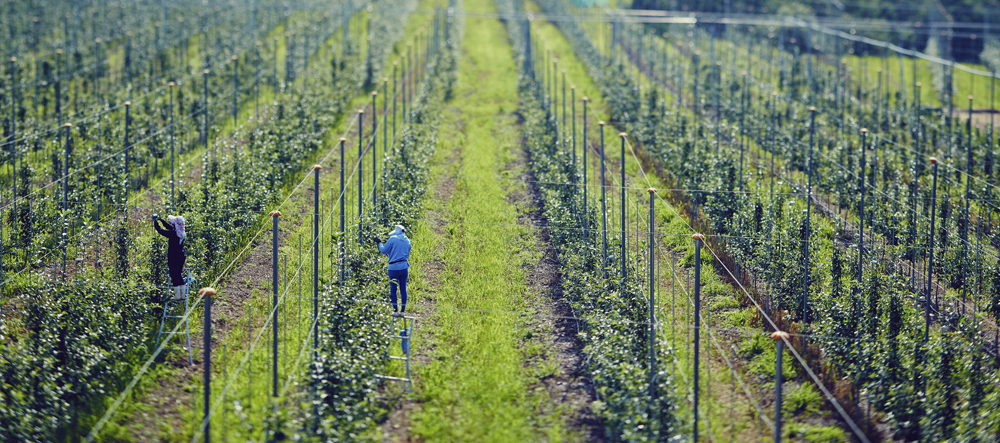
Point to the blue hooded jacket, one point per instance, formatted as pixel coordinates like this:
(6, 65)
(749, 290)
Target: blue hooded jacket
(397, 247)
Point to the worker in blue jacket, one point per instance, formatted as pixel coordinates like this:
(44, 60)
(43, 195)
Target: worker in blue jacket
(397, 247)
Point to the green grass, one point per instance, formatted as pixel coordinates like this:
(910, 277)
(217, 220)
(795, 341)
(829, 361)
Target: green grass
(481, 384)
(965, 84)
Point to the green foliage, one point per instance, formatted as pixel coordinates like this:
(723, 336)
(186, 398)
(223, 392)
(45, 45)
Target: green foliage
(52, 372)
(616, 339)
(816, 434)
(861, 306)
(803, 401)
(353, 318)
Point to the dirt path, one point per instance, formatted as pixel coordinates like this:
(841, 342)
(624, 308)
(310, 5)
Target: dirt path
(165, 408)
(171, 396)
(570, 386)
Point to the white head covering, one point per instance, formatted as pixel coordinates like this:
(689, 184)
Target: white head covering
(178, 222)
(399, 230)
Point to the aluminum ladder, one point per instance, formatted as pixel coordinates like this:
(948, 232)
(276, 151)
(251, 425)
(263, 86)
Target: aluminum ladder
(170, 308)
(406, 343)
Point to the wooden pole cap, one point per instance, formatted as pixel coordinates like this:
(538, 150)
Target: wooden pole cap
(970, 98)
(207, 292)
(171, 84)
(622, 134)
(67, 125)
(572, 86)
(13, 59)
(779, 336)
(651, 190)
(601, 122)
(274, 213)
(318, 167)
(205, 72)
(744, 73)
(864, 130)
(919, 84)
(128, 103)
(235, 58)
(59, 51)
(697, 236)
(374, 93)
(585, 99)
(97, 40)
(933, 160)
(812, 109)
(396, 63)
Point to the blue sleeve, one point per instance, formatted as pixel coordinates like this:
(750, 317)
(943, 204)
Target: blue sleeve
(384, 247)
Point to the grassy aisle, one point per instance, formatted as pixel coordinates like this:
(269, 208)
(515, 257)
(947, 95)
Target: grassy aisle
(726, 413)
(480, 384)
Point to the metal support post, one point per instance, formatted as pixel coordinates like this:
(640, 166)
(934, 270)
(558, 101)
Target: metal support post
(65, 198)
(604, 210)
(205, 107)
(861, 226)
(315, 249)
(809, 167)
(586, 166)
(779, 338)
(621, 207)
(343, 237)
(207, 293)
(361, 163)
(930, 253)
(698, 239)
(128, 178)
(652, 294)
(274, 289)
(172, 181)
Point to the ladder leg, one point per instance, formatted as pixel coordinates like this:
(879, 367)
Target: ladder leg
(409, 338)
(187, 325)
(163, 319)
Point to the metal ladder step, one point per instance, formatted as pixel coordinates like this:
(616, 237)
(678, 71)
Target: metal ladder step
(406, 339)
(386, 377)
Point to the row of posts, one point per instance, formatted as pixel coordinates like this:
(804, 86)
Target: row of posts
(207, 293)
(780, 337)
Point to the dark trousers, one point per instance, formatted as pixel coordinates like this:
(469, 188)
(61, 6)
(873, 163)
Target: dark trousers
(398, 278)
(176, 267)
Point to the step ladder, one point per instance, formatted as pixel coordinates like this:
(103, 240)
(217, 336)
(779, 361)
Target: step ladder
(405, 335)
(175, 310)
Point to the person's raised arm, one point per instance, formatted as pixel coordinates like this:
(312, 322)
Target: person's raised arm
(166, 231)
(384, 247)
